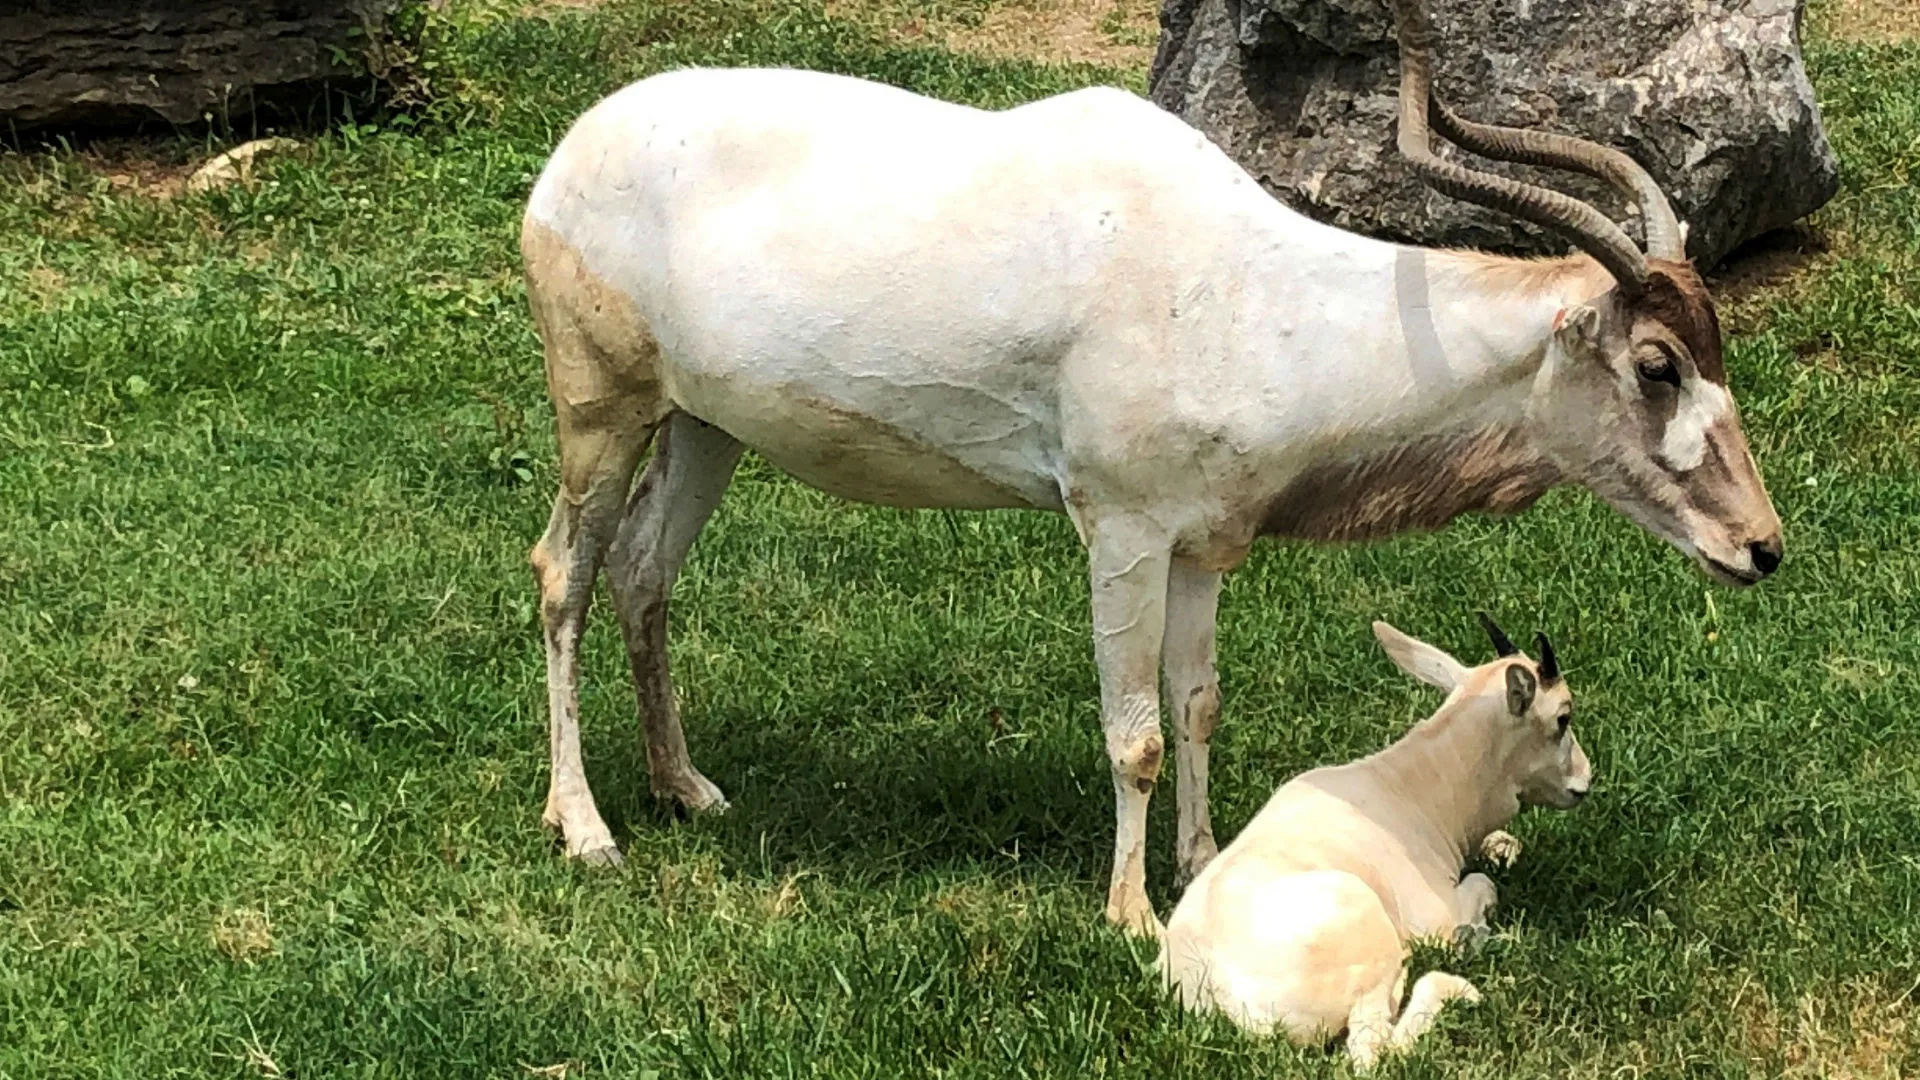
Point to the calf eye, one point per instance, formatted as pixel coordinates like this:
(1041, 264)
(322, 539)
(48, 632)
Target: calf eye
(1566, 719)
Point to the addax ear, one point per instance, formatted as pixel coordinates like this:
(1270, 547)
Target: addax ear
(1578, 328)
(1521, 686)
(1419, 659)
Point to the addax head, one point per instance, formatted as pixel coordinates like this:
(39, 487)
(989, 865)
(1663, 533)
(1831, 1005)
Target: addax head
(1632, 403)
(1542, 758)
(1632, 400)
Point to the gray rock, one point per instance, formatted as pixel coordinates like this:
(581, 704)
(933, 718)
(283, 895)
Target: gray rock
(1709, 95)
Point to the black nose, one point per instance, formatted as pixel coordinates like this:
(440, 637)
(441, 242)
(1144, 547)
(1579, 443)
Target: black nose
(1766, 555)
(1579, 793)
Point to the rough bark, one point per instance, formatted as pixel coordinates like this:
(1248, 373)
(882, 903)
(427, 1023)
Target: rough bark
(80, 64)
(1710, 96)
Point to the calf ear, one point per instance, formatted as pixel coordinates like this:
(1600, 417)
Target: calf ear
(1521, 686)
(1419, 659)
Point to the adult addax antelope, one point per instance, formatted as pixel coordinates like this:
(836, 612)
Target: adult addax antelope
(1081, 305)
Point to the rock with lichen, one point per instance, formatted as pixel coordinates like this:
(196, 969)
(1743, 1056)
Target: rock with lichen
(1711, 96)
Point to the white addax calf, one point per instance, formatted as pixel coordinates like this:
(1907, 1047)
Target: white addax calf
(1080, 305)
(1300, 926)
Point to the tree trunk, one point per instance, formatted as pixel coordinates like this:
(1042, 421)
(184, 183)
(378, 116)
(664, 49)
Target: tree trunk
(75, 65)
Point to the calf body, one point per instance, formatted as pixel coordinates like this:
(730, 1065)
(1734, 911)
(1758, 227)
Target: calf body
(1300, 926)
(1077, 305)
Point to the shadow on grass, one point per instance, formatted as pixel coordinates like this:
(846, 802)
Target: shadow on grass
(809, 798)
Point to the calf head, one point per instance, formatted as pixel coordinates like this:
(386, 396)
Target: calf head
(1533, 734)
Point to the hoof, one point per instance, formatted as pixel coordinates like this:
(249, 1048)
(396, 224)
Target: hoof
(1136, 917)
(603, 855)
(1470, 937)
(590, 843)
(693, 793)
(1501, 849)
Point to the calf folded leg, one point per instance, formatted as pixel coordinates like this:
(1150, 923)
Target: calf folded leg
(1501, 848)
(1369, 1035)
(1430, 994)
(682, 485)
(1473, 899)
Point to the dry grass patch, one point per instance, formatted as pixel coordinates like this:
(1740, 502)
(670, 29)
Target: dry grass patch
(1108, 33)
(244, 934)
(1765, 270)
(1853, 1031)
(157, 168)
(46, 287)
(1868, 21)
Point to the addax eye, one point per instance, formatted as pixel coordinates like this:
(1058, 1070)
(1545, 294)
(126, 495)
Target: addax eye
(1660, 371)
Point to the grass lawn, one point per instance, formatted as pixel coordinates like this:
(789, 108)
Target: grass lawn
(272, 721)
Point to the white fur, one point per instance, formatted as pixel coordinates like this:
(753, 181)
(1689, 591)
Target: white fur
(1028, 294)
(1300, 926)
(1703, 404)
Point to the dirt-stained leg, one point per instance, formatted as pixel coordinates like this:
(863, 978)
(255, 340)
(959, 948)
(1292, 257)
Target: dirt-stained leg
(1128, 560)
(606, 405)
(597, 463)
(1193, 700)
(691, 466)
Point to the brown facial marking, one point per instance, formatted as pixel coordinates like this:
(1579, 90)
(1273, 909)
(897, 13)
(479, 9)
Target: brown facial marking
(1678, 299)
(1421, 485)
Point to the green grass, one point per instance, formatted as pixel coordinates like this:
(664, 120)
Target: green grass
(272, 746)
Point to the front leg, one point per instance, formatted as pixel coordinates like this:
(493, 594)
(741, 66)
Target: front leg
(1128, 561)
(1473, 898)
(1193, 699)
(1500, 848)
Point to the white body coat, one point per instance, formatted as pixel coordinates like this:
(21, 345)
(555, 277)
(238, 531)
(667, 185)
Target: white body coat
(1043, 307)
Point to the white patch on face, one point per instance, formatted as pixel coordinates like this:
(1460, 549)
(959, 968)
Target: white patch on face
(1684, 446)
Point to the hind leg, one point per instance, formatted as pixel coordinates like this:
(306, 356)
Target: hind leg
(606, 405)
(682, 485)
(1429, 996)
(1371, 1029)
(596, 466)
(1370, 1023)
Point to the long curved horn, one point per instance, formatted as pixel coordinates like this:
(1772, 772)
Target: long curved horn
(1664, 238)
(1549, 666)
(1502, 644)
(1593, 231)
